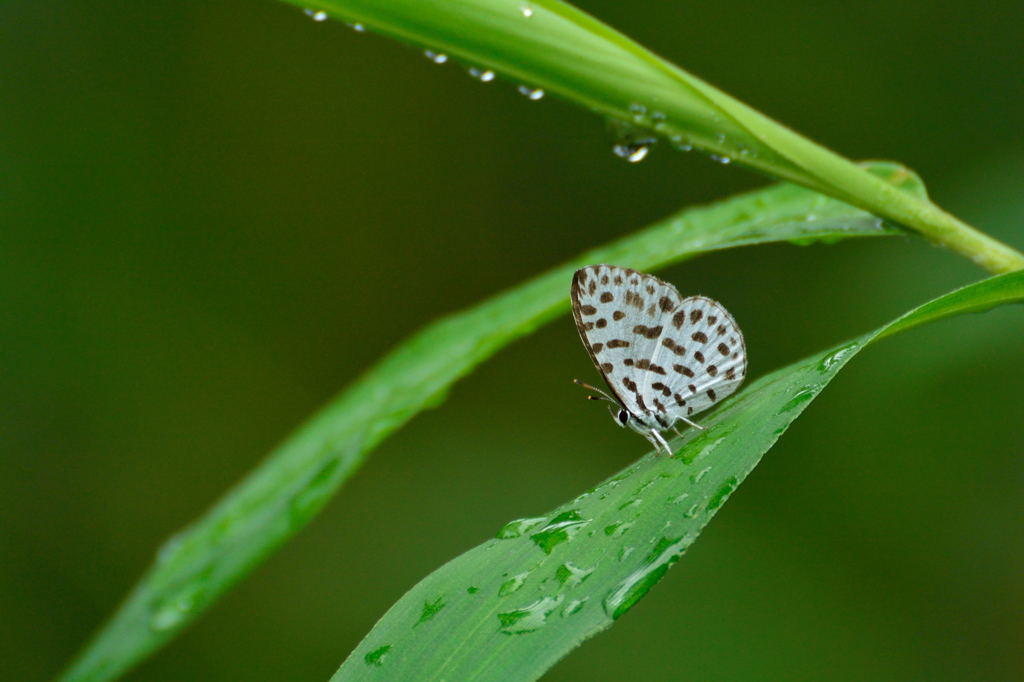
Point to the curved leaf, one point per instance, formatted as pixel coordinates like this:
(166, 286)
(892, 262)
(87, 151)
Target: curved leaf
(292, 485)
(553, 46)
(511, 608)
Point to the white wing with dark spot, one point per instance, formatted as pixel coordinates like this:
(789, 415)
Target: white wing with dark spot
(663, 357)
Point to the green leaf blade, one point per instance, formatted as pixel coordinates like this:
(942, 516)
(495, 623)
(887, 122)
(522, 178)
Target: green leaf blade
(288, 489)
(630, 530)
(564, 50)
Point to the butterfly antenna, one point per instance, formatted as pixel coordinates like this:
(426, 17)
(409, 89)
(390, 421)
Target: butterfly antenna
(595, 390)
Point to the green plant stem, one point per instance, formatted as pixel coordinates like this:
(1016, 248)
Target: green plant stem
(567, 52)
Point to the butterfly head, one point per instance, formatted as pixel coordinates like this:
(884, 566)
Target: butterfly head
(621, 417)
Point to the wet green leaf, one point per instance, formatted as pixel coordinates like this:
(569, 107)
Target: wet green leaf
(666, 502)
(278, 498)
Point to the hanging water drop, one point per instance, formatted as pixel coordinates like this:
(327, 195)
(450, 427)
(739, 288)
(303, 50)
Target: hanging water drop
(527, 12)
(631, 153)
(638, 111)
(678, 142)
(358, 28)
(436, 57)
(484, 76)
(317, 16)
(721, 159)
(531, 93)
(629, 142)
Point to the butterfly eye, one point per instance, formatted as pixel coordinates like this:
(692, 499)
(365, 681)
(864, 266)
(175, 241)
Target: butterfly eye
(623, 416)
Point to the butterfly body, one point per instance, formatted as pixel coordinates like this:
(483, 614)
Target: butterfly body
(664, 358)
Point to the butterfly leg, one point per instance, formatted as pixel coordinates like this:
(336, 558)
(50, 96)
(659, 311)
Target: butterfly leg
(648, 435)
(694, 425)
(660, 439)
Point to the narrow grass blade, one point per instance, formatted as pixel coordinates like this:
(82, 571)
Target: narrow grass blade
(291, 486)
(552, 46)
(511, 608)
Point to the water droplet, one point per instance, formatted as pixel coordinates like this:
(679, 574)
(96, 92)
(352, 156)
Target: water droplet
(485, 76)
(720, 159)
(527, 12)
(531, 93)
(513, 585)
(170, 548)
(167, 617)
(830, 361)
(681, 143)
(514, 529)
(617, 529)
(624, 552)
(560, 529)
(376, 657)
(573, 607)
(436, 57)
(631, 153)
(692, 511)
(628, 141)
(472, 590)
(430, 609)
(174, 610)
(635, 502)
(571, 575)
(695, 478)
(723, 493)
(701, 446)
(358, 28)
(178, 601)
(677, 500)
(314, 493)
(637, 111)
(803, 396)
(529, 618)
(656, 565)
(317, 16)
(658, 118)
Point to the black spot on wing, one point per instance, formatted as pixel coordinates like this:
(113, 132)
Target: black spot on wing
(647, 332)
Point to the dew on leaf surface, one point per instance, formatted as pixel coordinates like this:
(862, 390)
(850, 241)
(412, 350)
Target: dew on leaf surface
(530, 617)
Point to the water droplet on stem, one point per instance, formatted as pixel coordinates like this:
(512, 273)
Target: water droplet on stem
(531, 93)
(481, 75)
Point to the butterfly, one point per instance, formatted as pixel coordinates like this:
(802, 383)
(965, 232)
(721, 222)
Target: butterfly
(664, 357)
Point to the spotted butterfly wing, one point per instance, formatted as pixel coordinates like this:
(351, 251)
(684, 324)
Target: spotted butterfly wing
(664, 357)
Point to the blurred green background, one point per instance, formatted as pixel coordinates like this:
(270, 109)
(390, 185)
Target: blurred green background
(215, 215)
